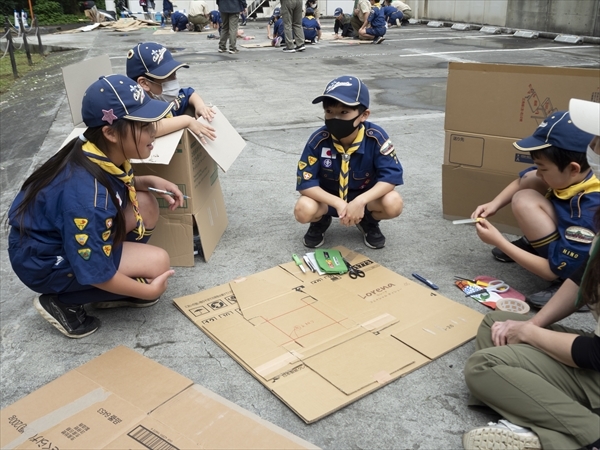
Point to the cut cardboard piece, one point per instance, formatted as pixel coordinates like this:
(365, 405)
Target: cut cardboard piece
(181, 158)
(321, 342)
(488, 107)
(122, 399)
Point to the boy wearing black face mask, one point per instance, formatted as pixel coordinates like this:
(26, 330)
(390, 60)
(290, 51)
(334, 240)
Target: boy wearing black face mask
(153, 67)
(348, 169)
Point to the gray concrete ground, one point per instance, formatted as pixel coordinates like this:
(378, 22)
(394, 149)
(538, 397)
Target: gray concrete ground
(267, 95)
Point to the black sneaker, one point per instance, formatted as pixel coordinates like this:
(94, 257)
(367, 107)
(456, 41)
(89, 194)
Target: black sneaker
(233, 51)
(315, 236)
(289, 50)
(539, 299)
(521, 243)
(372, 235)
(301, 48)
(127, 302)
(378, 40)
(70, 320)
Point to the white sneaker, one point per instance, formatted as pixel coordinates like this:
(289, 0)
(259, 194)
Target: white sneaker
(503, 434)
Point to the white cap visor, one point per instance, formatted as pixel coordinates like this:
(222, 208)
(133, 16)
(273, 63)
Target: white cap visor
(585, 115)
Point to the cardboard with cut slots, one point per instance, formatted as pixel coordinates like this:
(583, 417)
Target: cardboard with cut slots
(488, 107)
(181, 158)
(320, 343)
(122, 399)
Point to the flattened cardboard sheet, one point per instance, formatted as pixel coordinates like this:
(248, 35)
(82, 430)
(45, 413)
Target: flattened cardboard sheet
(124, 400)
(321, 342)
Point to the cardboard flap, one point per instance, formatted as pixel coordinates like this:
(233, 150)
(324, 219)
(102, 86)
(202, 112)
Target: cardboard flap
(78, 77)
(362, 361)
(123, 370)
(217, 423)
(225, 149)
(440, 333)
(262, 287)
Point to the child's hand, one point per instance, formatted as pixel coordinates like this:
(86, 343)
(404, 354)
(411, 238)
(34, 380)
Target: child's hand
(355, 211)
(202, 131)
(175, 201)
(206, 112)
(488, 233)
(485, 210)
(159, 284)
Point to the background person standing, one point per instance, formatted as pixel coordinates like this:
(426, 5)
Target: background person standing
(291, 11)
(230, 15)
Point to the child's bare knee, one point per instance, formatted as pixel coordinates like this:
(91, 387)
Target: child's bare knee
(393, 204)
(303, 212)
(149, 210)
(162, 261)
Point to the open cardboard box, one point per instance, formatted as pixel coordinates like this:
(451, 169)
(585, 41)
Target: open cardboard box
(488, 107)
(181, 158)
(122, 399)
(321, 342)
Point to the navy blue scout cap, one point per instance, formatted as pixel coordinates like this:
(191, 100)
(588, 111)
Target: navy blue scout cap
(556, 130)
(337, 12)
(277, 12)
(151, 59)
(348, 90)
(310, 11)
(117, 97)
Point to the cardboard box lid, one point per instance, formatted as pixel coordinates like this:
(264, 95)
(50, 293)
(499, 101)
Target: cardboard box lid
(320, 343)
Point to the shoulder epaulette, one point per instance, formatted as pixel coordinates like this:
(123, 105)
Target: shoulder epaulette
(377, 135)
(318, 137)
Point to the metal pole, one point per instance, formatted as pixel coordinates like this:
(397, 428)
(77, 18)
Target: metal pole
(39, 36)
(29, 61)
(11, 47)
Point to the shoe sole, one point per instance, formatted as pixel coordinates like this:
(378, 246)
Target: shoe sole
(50, 318)
(124, 304)
(493, 438)
(315, 246)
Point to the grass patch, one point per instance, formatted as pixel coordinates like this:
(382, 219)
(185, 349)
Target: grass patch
(6, 74)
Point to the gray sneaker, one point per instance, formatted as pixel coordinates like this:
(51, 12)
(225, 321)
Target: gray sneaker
(539, 299)
(503, 434)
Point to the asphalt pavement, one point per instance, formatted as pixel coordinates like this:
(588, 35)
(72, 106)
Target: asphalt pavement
(266, 94)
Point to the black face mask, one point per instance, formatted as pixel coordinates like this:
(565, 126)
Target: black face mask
(341, 128)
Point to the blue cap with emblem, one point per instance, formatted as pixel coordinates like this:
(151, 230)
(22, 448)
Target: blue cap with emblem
(115, 97)
(152, 60)
(277, 12)
(348, 90)
(337, 12)
(556, 130)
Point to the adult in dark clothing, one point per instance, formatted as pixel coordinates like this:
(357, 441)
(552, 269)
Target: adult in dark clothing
(230, 15)
(342, 23)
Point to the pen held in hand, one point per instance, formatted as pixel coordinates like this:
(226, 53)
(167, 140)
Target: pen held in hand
(162, 191)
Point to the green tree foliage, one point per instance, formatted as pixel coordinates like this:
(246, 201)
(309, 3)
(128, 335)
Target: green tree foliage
(48, 12)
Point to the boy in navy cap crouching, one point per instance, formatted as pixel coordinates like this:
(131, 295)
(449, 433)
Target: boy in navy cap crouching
(554, 203)
(348, 169)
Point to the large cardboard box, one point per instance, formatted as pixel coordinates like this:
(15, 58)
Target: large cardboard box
(321, 342)
(179, 157)
(122, 399)
(488, 107)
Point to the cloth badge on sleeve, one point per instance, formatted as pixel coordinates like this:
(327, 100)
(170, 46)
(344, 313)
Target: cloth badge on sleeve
(299, 180)
(312, 160)
(107, 249)
(105, 235)
(579, 234)
(327, 163)
(307, 175)
(85, 253)
(109, 223)
(301, 165)
(81, 238)
(327, 153)
(80, 222)
(387, 148)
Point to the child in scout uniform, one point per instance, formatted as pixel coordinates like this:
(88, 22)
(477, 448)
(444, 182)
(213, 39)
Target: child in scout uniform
(376, 25)
(541, 377)
(554, 203)
(342, 23)
(80, 222)
(153, 67)
(312, 29)
(348, 168)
